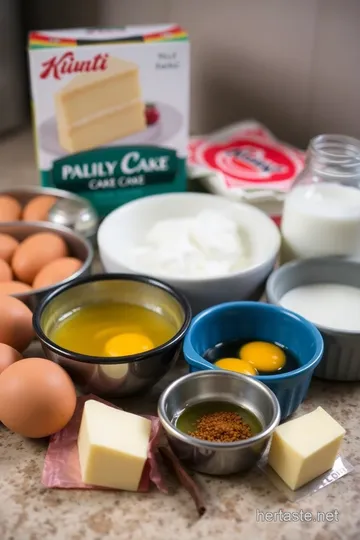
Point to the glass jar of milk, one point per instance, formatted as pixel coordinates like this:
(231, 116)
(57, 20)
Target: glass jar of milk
(321, 213)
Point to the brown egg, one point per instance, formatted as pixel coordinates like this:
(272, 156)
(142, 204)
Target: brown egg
(5, 271)
(35, 252)
(8, 244)
(38, 208)
(8, 355)
(37, 397)
(14, 287)
(56, 271)
(16, 327)
(10, 208)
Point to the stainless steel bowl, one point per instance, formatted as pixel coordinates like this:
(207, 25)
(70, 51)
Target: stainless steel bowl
(78, 247)
(117, 376)
(218, 458)
(70, 210)
(341, 359)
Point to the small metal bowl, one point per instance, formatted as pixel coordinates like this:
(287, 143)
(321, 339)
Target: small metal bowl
(78, 247)
(219, 458)
(341, 359)
(70, 210)
(116, 376)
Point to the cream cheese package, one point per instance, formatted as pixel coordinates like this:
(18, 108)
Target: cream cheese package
(245, 162)
(111, 111)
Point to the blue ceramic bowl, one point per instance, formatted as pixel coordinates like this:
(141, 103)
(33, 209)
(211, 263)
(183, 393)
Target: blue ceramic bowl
(260, 322)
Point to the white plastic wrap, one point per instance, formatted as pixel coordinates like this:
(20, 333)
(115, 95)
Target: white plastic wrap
(341, 468)
(245, 162)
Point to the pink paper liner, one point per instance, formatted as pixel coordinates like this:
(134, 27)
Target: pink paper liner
(62, 467)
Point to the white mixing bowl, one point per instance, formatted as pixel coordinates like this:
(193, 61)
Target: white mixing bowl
(126, 228)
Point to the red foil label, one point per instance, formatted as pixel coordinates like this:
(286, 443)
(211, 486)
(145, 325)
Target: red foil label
(248, 159)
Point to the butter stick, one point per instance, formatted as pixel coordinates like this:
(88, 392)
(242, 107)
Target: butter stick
(113, 446)
(306, 447)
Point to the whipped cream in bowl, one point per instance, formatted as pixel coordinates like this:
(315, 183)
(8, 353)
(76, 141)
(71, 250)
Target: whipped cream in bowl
(212, 249)
(207, 245)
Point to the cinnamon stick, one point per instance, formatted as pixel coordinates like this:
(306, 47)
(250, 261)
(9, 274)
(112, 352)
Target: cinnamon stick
(184, 478)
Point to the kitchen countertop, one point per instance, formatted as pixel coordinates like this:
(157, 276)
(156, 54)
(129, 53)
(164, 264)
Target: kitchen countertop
(29, 511)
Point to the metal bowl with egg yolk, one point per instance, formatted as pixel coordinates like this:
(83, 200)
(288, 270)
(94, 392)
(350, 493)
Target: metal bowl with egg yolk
(129, 374)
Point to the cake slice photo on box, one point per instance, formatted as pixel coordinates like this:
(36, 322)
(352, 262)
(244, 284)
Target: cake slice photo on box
(96, 108)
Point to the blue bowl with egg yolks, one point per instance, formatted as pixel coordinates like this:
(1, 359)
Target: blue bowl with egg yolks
(256, 321)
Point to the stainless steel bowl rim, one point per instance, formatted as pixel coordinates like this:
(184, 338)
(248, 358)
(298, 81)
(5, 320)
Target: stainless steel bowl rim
(176, 433)
(30, 192)
(116, 359)
(39, 190)
(44, 226)
(303, 263)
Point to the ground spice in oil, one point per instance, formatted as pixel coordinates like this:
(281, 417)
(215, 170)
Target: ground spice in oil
(224, 427)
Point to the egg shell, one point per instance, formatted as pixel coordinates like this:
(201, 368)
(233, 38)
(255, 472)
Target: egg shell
(5, 271)
(37, 397)
(14, 287)
(8, 355)
(38, 208)
(16, 327)
(35, 252)
(8, 245)
(56, 271)
(10, 208)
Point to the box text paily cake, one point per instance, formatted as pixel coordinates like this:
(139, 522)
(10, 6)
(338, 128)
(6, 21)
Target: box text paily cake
(110, 110)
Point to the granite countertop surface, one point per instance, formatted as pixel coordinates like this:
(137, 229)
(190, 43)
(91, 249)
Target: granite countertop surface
(28, 511)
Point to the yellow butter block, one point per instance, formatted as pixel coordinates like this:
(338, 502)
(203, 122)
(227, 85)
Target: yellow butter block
(306, 447)
(112, 446)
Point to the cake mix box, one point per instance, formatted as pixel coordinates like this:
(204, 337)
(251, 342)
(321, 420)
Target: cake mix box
(111, 111)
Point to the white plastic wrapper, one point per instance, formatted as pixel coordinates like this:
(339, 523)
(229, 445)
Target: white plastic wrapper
(245, 162)
(341, 468)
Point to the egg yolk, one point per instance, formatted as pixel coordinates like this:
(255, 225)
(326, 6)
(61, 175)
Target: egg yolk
(106, 334)
(239, 366)
(264, 356)
(127, 344)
